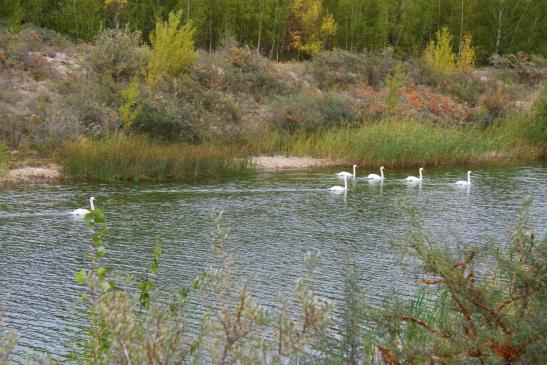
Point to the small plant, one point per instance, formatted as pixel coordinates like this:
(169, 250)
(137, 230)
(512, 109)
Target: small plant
(8, 341)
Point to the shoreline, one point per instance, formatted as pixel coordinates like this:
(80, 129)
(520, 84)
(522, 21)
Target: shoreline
(53, 172)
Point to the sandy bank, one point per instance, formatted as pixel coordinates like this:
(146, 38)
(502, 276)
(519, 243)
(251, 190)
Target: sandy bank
(279, 162)
(50, 172)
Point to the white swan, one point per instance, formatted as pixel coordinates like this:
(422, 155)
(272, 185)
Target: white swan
(377, 177)
(340, 188)
(82, 211)
(414, 178)
(345, 174)
(463, 182)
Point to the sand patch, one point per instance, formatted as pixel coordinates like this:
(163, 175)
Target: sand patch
(290, 163)
(27, 174)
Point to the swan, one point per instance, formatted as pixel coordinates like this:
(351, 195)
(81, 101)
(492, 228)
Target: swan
(345, 174)
(340, 188)
(463, 182)
(377, 177)
(82, 211)
(414, 178)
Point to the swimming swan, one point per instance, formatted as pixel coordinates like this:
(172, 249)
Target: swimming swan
(414, 178)
(340, 188)
(82, 211)
(377, 177)
(463, 182)
(345, 174)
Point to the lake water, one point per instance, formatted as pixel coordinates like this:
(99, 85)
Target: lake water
(273, 219)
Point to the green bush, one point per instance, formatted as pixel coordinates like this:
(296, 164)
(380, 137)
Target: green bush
(297, 112)
(337, 109)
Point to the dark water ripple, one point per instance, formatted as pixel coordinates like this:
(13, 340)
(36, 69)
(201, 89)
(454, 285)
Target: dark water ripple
(272, 220)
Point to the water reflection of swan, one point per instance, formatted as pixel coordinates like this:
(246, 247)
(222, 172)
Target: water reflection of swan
(340, 189)
(414, 178)
(345, 174)
(377, 177)
(82, 211)
(463, 182)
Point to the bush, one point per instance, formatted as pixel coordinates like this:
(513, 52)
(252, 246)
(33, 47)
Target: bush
(172, 49)
(337, 109)
(116, 53)
(464, 86)
(338, 68)
(496, 105)
(239, 70)
(300, 111)
(309, 112)
(438, 55)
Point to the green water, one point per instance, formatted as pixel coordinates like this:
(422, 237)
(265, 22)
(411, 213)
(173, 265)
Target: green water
(273, 219)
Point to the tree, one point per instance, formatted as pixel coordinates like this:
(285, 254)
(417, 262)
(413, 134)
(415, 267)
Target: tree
(172, 48)
(466, 55)
(309, 27)
(439, 56)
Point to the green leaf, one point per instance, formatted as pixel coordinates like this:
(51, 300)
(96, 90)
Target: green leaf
(105, 286)
(80, 277)
(101, 251)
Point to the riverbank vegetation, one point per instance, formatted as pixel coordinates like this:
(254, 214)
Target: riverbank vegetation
(465, 312)
(307, 86)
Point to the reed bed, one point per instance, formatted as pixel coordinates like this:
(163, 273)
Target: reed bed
(133, 158)
(408, 143)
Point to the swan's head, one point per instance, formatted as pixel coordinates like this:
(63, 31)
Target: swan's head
(92, 199)
(468, 172)
(421, 169)
(354, 166)
(381, 167)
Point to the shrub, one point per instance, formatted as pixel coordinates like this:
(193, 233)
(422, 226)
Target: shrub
(338, 68)
(466, 54)
(438, 55)
(496, 105)
(337, 109)
(172, 49)
(239, 70)
(463, 85)
(116, 53)
(493, 317)
(299, 111)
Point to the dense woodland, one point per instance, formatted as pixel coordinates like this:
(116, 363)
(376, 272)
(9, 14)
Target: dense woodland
(284, 29)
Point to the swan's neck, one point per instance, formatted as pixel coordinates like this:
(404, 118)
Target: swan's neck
(91, 203)
(354, 168)
(468, 178)
(345, 184)
(420, 174)
(382, 173)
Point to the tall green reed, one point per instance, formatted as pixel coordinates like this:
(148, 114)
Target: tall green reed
(136, 158)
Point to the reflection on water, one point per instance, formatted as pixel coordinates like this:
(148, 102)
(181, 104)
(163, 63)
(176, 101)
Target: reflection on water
(273, 220)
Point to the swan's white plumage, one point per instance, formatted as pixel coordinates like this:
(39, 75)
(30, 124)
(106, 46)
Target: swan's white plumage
(82, 211)
(340, 188)
(414, 178)
(463, 182)
(375, 176)
(345, 174)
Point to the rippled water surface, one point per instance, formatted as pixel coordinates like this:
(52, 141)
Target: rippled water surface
(273, 220)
